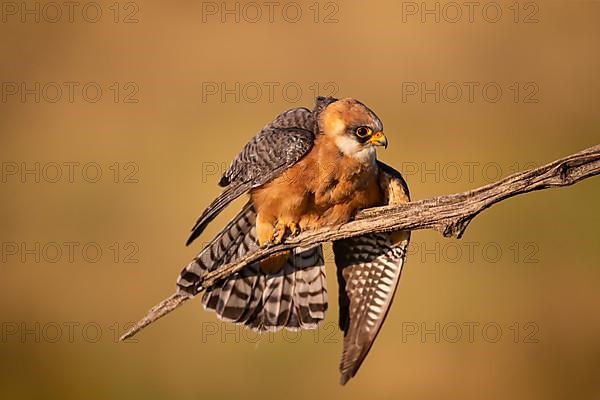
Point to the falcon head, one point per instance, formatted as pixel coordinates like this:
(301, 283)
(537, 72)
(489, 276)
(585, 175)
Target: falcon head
(354, 128)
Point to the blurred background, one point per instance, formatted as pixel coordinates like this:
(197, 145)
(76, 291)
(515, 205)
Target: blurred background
(118, 118)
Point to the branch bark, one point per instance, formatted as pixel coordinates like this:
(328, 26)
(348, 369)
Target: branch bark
(450, 215)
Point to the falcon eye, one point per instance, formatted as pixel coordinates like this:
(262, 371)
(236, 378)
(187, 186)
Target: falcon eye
(363, 131)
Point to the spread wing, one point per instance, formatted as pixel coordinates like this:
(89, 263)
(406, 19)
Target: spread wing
(369, 269)
(278, 146)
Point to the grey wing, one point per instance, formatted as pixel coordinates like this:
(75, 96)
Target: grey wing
(259, 154)
(278, 146)
(369, 269)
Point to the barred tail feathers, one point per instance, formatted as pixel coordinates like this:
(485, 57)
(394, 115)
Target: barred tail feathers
(295, 297)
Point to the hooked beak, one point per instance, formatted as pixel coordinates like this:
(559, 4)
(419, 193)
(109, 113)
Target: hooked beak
(378, 139)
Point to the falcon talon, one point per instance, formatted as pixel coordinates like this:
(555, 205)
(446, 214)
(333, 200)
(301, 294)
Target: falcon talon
(318, 168)
(274, 242)
(278, 233)
(268, 245)
(294, 229)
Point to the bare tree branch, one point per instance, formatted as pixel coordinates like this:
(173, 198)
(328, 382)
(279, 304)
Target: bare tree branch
(450, 215)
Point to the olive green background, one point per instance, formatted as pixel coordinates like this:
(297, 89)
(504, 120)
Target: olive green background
(178, 136)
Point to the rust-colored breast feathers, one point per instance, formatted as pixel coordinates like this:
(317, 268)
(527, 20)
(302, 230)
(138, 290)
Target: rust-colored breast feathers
(324, 188)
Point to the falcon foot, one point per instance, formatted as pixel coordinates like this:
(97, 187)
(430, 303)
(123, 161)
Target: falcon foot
(283, 230)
